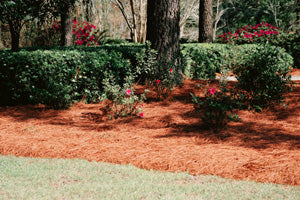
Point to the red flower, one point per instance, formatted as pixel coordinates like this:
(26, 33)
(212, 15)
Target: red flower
(211, 91)
(128, 92)
(141, 114)
(157, 81)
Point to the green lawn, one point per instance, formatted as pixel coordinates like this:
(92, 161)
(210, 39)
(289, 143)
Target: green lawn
(33, 178)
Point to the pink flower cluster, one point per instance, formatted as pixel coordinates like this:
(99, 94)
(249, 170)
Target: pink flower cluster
(250, 32)
(56, 25)
(83, 32)
(211, 91)
(128, 92)
(141, 114)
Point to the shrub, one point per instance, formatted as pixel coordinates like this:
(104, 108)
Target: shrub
(123, 101)
(291, 43)
(57, 78)
(259, 33)
(265, 33)
(204, 60)
(217, 107)
(163, 75)
(263, 74)
(166, 83)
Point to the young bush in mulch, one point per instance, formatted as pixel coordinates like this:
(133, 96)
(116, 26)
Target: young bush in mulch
(171, 136)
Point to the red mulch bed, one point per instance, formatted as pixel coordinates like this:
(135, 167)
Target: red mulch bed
(263, 147)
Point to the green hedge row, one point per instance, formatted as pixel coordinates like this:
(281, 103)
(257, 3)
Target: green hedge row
(291, 43)
(59, 76)
(203, 60)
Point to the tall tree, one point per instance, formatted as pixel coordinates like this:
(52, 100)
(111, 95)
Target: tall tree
(17, 13)
(66, 22)
(298, 14)
(1, 44)
(87, 4)
(163, 28)
(205, 21)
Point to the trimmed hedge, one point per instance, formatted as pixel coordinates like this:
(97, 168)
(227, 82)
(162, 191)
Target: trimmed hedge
(62, 75)
(57, 78)
(204, 60)
(291, 43)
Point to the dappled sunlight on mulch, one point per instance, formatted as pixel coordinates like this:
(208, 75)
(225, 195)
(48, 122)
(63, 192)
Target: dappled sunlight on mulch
(263, 147)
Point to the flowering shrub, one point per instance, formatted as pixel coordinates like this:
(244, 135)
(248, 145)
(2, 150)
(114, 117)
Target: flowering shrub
(217, 107)
(249, 34)
(162, 75)
(84, 32)
(164, 86)
(123, 101)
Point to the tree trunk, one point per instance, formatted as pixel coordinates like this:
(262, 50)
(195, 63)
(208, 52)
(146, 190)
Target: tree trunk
(298, 13)
(66, 24)
(134, 31)
(1, 44)
(141, 20)
(163, 28)
(87, 10)
(15, 30)
(205, 21)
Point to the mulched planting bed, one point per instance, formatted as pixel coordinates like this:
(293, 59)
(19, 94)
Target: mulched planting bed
(263, 147)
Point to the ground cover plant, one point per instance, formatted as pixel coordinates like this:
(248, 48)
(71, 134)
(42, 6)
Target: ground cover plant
(32, 178)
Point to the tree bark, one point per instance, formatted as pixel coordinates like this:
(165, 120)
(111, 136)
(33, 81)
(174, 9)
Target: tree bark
(87, 10)
(141, 21)
(1, 44)
(163, 28)
(15, 30)
(298, 13)
(134, 31)
(66, 24)
(205, 21)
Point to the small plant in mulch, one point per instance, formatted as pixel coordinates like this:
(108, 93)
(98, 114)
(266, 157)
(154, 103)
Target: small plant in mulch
(121, 100)
(163, 75)
(165, 85)
(217, 107)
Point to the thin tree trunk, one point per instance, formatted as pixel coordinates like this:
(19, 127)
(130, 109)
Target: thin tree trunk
(87, 10)
(66, 24)
(1, 44)
(120, 5)
(163, 28)
(141, 21)
(205, 21)
(218, 17)
(134, 31)
(298, 13)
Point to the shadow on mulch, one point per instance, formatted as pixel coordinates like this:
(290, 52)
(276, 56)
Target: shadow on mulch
(249, 135)
(25, 113)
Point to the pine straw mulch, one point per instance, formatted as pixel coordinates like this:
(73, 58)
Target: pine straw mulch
(263, 147)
